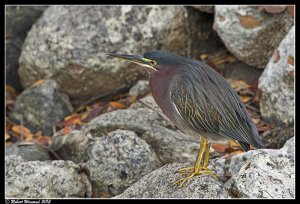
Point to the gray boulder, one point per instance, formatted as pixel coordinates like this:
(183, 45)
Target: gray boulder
(29, 152)
(265, 173)
(117, 161)
(250, 33)
(68, 44)
(18, 21)
(40, 107)
(51, 179)
(277, 83)
(158, 184)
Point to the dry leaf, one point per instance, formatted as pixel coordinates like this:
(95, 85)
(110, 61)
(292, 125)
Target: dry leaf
(249, 22)
(37, 83)
(233, 143)
(44, 140)
(245, 99)
(7, 136)
(203, 57)
(290, 60)
(70, 120)
(276, 56)
(240, 84)
(66, 130)
(219, 147)
(291, 10)
(11, 92)
(21, 130)
(255, 120)
(117, 105)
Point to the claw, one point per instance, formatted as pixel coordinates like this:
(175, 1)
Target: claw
(186, 170)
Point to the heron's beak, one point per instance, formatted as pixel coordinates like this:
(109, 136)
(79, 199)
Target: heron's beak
(137, 59)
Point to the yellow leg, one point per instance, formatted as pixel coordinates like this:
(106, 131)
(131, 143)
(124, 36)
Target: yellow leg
(198, 168)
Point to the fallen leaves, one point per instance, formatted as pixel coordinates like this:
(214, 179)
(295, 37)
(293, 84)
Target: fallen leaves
(22, 131)
(290, 60)
(249, 22)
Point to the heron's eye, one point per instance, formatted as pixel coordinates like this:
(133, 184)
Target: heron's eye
(152, 62)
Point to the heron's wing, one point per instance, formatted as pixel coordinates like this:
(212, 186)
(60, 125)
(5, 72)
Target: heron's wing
(208, 103)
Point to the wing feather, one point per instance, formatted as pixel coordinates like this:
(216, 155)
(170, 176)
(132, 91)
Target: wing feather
(208, 103)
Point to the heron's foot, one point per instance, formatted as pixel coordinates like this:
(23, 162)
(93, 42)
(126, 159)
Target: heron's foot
(191, 173)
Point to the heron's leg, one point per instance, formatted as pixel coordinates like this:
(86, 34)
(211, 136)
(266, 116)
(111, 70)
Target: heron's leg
(198, 168)
(206, 157)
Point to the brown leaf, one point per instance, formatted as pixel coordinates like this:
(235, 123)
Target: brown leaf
(238, 84)
(7, 136)
(44, 140)
(70, 120)
(233, 143)
(219, 147)
(21, 130)
(11, 92)
(276, 56)
(245, 99)
(290, 60)
(203, 56)
(37, 83)
(66, 130)
(249, 22)
(291, 10)
(117, 105)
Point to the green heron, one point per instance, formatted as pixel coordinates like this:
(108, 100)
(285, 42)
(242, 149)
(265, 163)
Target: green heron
(199, 101)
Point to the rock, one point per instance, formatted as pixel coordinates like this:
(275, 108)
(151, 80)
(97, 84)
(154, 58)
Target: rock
(48, 179)
(265, 173)
(118, 160)
(251, 35)
(68, 44)
(276, 137)
(40, 107)
(19, 20)
(140, 89)
(158, 184)
(221, 167)
(29, 152)
(277, 83)
(206, 9)
(169, 144)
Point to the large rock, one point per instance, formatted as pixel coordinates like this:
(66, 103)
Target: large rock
(51, 179)
(68, 43)
(169, 144)
(18, 21)
(277, 83)
(29, 152)
(251, 34)
(158, 184)
(264, 173)
(117, 161)
(40, 107)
